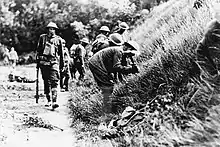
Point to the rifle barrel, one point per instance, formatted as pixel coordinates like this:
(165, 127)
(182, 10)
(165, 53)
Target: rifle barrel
(37, 85)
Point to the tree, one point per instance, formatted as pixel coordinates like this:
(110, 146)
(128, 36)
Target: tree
(22, 21)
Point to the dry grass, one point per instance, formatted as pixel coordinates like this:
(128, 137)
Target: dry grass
(168, 38)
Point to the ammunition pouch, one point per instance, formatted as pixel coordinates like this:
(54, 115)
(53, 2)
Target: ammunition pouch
(47, 60)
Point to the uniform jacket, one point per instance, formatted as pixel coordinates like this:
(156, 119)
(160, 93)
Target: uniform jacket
(100, 42)
(106, 62)
(79, 55)
(49, 49)
(13, 55)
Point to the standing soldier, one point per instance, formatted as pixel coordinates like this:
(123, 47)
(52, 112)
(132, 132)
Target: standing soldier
(122, 28)
(78, 58)
(65, 71)
(71, 61)
(101, 40)
(49, 48)
(108, 61)
(6, 56)
(13, 57)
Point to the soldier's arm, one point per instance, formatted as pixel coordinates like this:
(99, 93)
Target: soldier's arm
(60, 53)
(40, 43)
(39, 48)
(81, 56)
(118, 67)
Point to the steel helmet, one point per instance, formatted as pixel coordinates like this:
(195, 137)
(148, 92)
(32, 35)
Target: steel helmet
(123, 25)
(135, 46)
(85, 40)
(104, 28)
(116, 39)
(52, 25)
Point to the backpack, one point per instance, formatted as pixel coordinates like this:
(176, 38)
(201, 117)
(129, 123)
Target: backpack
(79, 53)
(72, 50)
(100, 43)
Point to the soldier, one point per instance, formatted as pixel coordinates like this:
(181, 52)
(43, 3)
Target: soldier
(49, 48)
(208, 50)
(101, 40)
(6, 56)
(108, 61)
(122, 28)
(13, 57)
(65, 71)
(127, 58)
(78, 56)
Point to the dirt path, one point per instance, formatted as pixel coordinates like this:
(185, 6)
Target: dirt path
(17, 103)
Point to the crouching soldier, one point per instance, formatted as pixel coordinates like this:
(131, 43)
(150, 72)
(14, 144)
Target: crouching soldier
(131, 49)
(49, 48)
(208, 50)
(108, 61)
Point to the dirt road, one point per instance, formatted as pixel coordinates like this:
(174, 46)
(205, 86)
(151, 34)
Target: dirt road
(17, 107)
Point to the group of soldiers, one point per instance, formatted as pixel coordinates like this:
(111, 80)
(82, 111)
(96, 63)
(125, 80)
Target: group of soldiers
(10, 57)
(110, 59)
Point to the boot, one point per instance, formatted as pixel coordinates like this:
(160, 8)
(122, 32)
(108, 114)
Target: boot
(48, 104)
(54, 98)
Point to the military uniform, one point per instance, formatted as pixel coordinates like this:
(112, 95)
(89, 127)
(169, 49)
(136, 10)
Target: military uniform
(13, 57)
(49, 51)
(78, 60)
(65, 71)
(102, 65)
(100, 43)
(122, 30)
(6, 56)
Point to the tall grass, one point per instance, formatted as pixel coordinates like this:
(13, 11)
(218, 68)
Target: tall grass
(168, 39)
(168, 50)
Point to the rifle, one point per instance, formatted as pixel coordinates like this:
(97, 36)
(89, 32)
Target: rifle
(37, 84)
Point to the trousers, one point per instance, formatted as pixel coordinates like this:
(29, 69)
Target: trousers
(107, 101)
(50, 78)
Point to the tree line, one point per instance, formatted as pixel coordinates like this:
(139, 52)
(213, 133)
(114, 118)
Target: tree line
(22, 21)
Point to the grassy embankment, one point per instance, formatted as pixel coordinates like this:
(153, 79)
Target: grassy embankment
(185, 111)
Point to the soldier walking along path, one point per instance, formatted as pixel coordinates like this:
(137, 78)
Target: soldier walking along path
(17, 103)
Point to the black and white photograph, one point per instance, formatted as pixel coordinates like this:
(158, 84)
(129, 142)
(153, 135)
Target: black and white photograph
(109, 73)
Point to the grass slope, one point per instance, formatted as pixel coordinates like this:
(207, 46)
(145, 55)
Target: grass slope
(185, 110)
